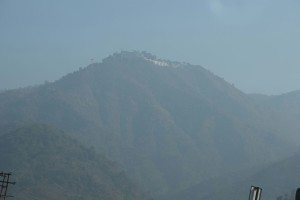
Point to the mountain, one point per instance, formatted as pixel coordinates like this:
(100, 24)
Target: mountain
(47, 164)
(285, 111)
(170, 125)
(278, 180)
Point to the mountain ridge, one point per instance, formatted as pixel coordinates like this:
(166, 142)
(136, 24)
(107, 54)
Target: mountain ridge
(168, 127)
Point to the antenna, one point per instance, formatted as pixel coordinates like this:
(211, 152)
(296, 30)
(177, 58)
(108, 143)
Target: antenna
(4, 183)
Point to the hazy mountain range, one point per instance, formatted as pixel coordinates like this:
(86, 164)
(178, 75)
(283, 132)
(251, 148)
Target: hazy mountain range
(174, 128)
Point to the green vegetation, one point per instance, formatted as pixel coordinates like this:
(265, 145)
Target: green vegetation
(173, 127)
(47, 164)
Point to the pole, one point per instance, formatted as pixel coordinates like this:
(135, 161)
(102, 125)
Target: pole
(4, 185)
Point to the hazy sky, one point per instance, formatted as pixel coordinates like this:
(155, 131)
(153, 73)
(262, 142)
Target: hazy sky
(254, 44)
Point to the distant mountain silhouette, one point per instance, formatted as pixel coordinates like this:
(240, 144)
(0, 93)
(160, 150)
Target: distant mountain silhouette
(170, 125)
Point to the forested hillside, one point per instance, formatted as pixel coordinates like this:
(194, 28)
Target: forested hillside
(47, 164)
(170, 125)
